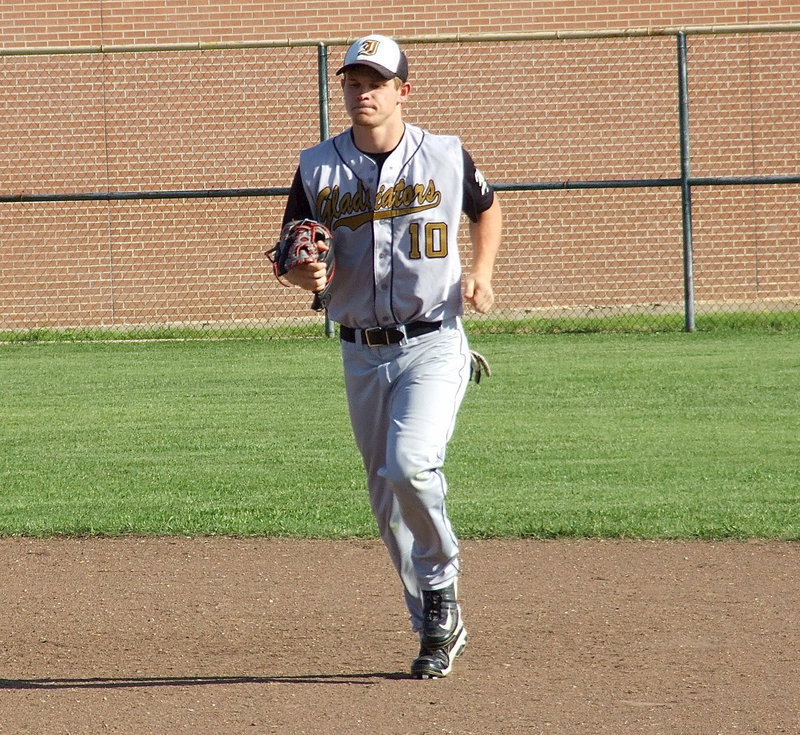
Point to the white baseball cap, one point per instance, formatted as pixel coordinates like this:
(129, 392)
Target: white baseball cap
(380, 53)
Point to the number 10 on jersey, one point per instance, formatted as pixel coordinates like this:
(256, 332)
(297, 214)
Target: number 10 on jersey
(434, 237)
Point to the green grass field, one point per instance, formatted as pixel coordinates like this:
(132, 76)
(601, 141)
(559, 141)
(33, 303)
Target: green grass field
(669, 435)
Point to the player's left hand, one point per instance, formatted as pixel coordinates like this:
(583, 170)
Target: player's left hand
(479, 293)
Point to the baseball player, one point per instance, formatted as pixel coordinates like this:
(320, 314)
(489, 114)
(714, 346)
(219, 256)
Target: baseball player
(393, 195)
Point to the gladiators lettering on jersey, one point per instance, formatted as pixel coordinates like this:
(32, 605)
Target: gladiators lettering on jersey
(353, 210)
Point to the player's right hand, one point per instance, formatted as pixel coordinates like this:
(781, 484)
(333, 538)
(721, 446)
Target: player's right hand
(309, 276)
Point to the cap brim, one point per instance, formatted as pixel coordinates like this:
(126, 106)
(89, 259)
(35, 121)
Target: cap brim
(382, 70)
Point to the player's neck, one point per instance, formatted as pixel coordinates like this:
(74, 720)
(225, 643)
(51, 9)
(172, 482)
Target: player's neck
(380, 139)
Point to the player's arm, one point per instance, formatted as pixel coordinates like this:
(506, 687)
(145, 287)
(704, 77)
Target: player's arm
(485, 236)
(485, 230)
(309, 276)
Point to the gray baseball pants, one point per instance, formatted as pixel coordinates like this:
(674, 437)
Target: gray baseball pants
(403, 402)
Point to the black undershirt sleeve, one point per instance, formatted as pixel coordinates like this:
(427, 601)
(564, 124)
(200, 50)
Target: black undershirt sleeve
(297, 205)
(478, 195)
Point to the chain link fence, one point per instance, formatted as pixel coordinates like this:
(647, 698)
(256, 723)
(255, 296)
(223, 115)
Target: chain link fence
(141, 187)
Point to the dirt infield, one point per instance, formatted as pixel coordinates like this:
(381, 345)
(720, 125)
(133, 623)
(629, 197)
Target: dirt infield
(225, 636)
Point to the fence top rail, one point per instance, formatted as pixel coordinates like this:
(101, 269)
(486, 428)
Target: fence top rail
(556, 35)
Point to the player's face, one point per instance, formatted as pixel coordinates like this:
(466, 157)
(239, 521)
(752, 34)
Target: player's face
(370, 99)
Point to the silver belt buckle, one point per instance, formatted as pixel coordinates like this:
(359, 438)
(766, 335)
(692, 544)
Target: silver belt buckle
(379, 336)
(375, 337)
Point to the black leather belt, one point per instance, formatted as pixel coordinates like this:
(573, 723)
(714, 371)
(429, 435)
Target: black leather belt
(382, 336)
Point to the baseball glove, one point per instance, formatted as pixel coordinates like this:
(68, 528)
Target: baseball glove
(305, 241)
(478, 366)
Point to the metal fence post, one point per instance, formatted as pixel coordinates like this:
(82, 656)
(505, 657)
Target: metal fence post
(324, 129)
(686, 187)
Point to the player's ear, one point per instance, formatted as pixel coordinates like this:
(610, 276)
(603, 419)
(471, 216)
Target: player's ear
(405, 91)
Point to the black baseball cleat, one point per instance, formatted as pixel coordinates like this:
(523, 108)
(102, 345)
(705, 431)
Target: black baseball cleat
(441, 617)
(434, 663)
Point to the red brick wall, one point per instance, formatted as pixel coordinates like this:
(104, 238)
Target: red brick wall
(547, 110)
(83, 22)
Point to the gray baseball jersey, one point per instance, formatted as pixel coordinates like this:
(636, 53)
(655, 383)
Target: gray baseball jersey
(394, 227)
